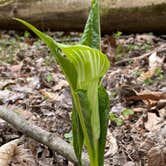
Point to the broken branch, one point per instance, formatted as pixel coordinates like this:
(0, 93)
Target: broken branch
(54, 142)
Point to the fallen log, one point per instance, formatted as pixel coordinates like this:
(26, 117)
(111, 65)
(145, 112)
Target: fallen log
(70, 15)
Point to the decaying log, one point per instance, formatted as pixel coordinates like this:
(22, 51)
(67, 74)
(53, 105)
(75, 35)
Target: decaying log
(69, 15)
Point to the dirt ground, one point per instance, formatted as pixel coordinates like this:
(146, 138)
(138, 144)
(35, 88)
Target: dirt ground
(32, 83)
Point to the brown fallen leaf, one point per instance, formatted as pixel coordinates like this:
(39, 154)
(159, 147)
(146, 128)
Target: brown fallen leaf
(146, 145)
(50, 95)
(149, 97)
(157, 156)
(162, 112)
(155, 62)
(7, 95)
(109, 46)
(148, 74)
(60, 85)
(5, 83)
(129, 163)
(16, 69)
(111, 143)
(139, 109)
(23, 157)
(152, 122)
(29, 41)
(25, 113)
(7, 152)
(145, 38)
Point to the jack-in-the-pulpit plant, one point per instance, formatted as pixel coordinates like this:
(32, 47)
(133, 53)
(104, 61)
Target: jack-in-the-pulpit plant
(84, 66)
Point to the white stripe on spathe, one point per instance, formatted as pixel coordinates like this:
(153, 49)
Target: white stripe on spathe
(81, 56)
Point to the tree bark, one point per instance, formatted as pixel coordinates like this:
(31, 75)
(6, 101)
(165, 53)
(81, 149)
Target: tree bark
(70, 15)
(51, 140)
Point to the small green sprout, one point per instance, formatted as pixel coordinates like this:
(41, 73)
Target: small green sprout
(49, 77)
(159, 74)
(118, 119)
(127, 112)
(69, 136)
(148, 81)
(26, 34)
(117, 35)
(136, 73)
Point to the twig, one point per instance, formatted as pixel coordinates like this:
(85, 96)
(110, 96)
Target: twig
(133, 59)
(160, 49)
(54, 142)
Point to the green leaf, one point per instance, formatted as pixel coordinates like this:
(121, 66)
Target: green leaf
(112, 116)
(104, 107)
(86, 117)
(91, 35)
(65, 63)
(115, 118)
(119, 121)
(78, 137)
(126, 112)
(68, 135)
(49, 77)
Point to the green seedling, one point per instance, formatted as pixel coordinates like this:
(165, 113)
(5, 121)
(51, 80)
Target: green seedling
(117, 35)
(114, 94)
(127, 112)
(8, 49)
(49, 77)
(146, 47)
(159, 74)
(69, 136)
(133, 47)
(136, 73)
(26, 34)
(148, 81)
(118, 119)
(84, 66)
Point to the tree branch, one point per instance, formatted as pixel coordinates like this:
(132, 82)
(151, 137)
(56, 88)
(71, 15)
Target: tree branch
(54, 142)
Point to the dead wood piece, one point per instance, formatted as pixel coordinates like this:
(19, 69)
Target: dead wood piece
(54, 142)
(68, 15)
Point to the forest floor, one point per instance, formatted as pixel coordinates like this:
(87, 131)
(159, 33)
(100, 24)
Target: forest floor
(32, 83)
